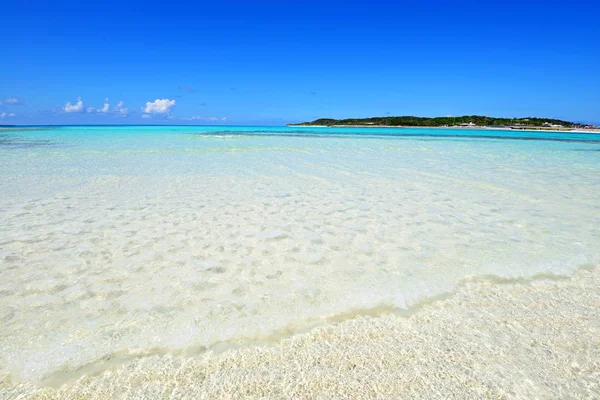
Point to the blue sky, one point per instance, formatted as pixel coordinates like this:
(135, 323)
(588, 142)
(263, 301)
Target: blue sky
(274, 62)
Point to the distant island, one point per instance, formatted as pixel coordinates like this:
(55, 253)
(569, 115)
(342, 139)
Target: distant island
(463, 121)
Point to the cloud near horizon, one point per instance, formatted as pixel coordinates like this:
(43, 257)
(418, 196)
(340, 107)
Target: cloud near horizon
(72, 108)
(4, 115)
(120, 110)
(79, 107)
(158, 107)
(13, 101)
(199, 118)
(105, 107)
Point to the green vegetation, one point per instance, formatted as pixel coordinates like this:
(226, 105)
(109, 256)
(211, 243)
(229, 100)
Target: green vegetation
(441, 121)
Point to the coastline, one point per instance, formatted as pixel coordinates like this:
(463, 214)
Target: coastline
(484, 128)
(520, 339)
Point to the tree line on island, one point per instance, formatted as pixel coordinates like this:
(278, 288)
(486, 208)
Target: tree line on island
(469, 120)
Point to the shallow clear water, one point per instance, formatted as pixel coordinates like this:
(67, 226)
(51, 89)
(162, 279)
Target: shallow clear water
(139, 239)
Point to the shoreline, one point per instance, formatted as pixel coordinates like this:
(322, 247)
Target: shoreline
(489, 339)
(484, 128)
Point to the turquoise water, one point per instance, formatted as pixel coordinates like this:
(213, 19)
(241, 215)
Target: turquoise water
(176, 146)
(132, 239)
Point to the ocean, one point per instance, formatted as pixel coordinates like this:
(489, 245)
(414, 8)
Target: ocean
(132, 241)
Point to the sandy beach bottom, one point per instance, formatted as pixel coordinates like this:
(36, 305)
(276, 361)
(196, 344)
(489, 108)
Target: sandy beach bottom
(514, 339)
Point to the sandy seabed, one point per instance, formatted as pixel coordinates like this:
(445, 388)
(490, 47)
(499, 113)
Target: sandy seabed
(513, 339)
(152, 263)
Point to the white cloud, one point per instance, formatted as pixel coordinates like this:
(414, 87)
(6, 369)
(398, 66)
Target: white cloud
(120, 110)
(195, 117)
(77, 107)
(12, 100)
(159, 106)
(90, 109)
(199, 118)
(4, 115)
(145, 115)
(105, 108)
